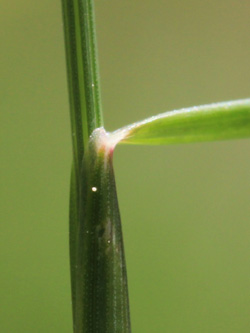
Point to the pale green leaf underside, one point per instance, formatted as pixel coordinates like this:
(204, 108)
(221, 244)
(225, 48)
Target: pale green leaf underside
(220, 121)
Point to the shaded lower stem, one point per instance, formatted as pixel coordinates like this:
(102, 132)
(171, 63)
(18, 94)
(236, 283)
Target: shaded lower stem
(101, 281)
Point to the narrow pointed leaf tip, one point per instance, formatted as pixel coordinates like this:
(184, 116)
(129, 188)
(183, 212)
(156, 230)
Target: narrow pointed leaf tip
(220, 121)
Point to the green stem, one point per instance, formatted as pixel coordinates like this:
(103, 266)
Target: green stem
(97, 262)
(85, 105)
(83, 78)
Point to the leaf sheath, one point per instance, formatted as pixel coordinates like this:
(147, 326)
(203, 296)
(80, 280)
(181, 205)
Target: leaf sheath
(101, 290)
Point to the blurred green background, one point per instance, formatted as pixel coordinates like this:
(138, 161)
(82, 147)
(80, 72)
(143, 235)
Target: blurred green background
(185, 209)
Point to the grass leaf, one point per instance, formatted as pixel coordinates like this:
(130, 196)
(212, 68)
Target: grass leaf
(220, 121)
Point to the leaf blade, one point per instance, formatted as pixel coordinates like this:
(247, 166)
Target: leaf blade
(220, 121)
